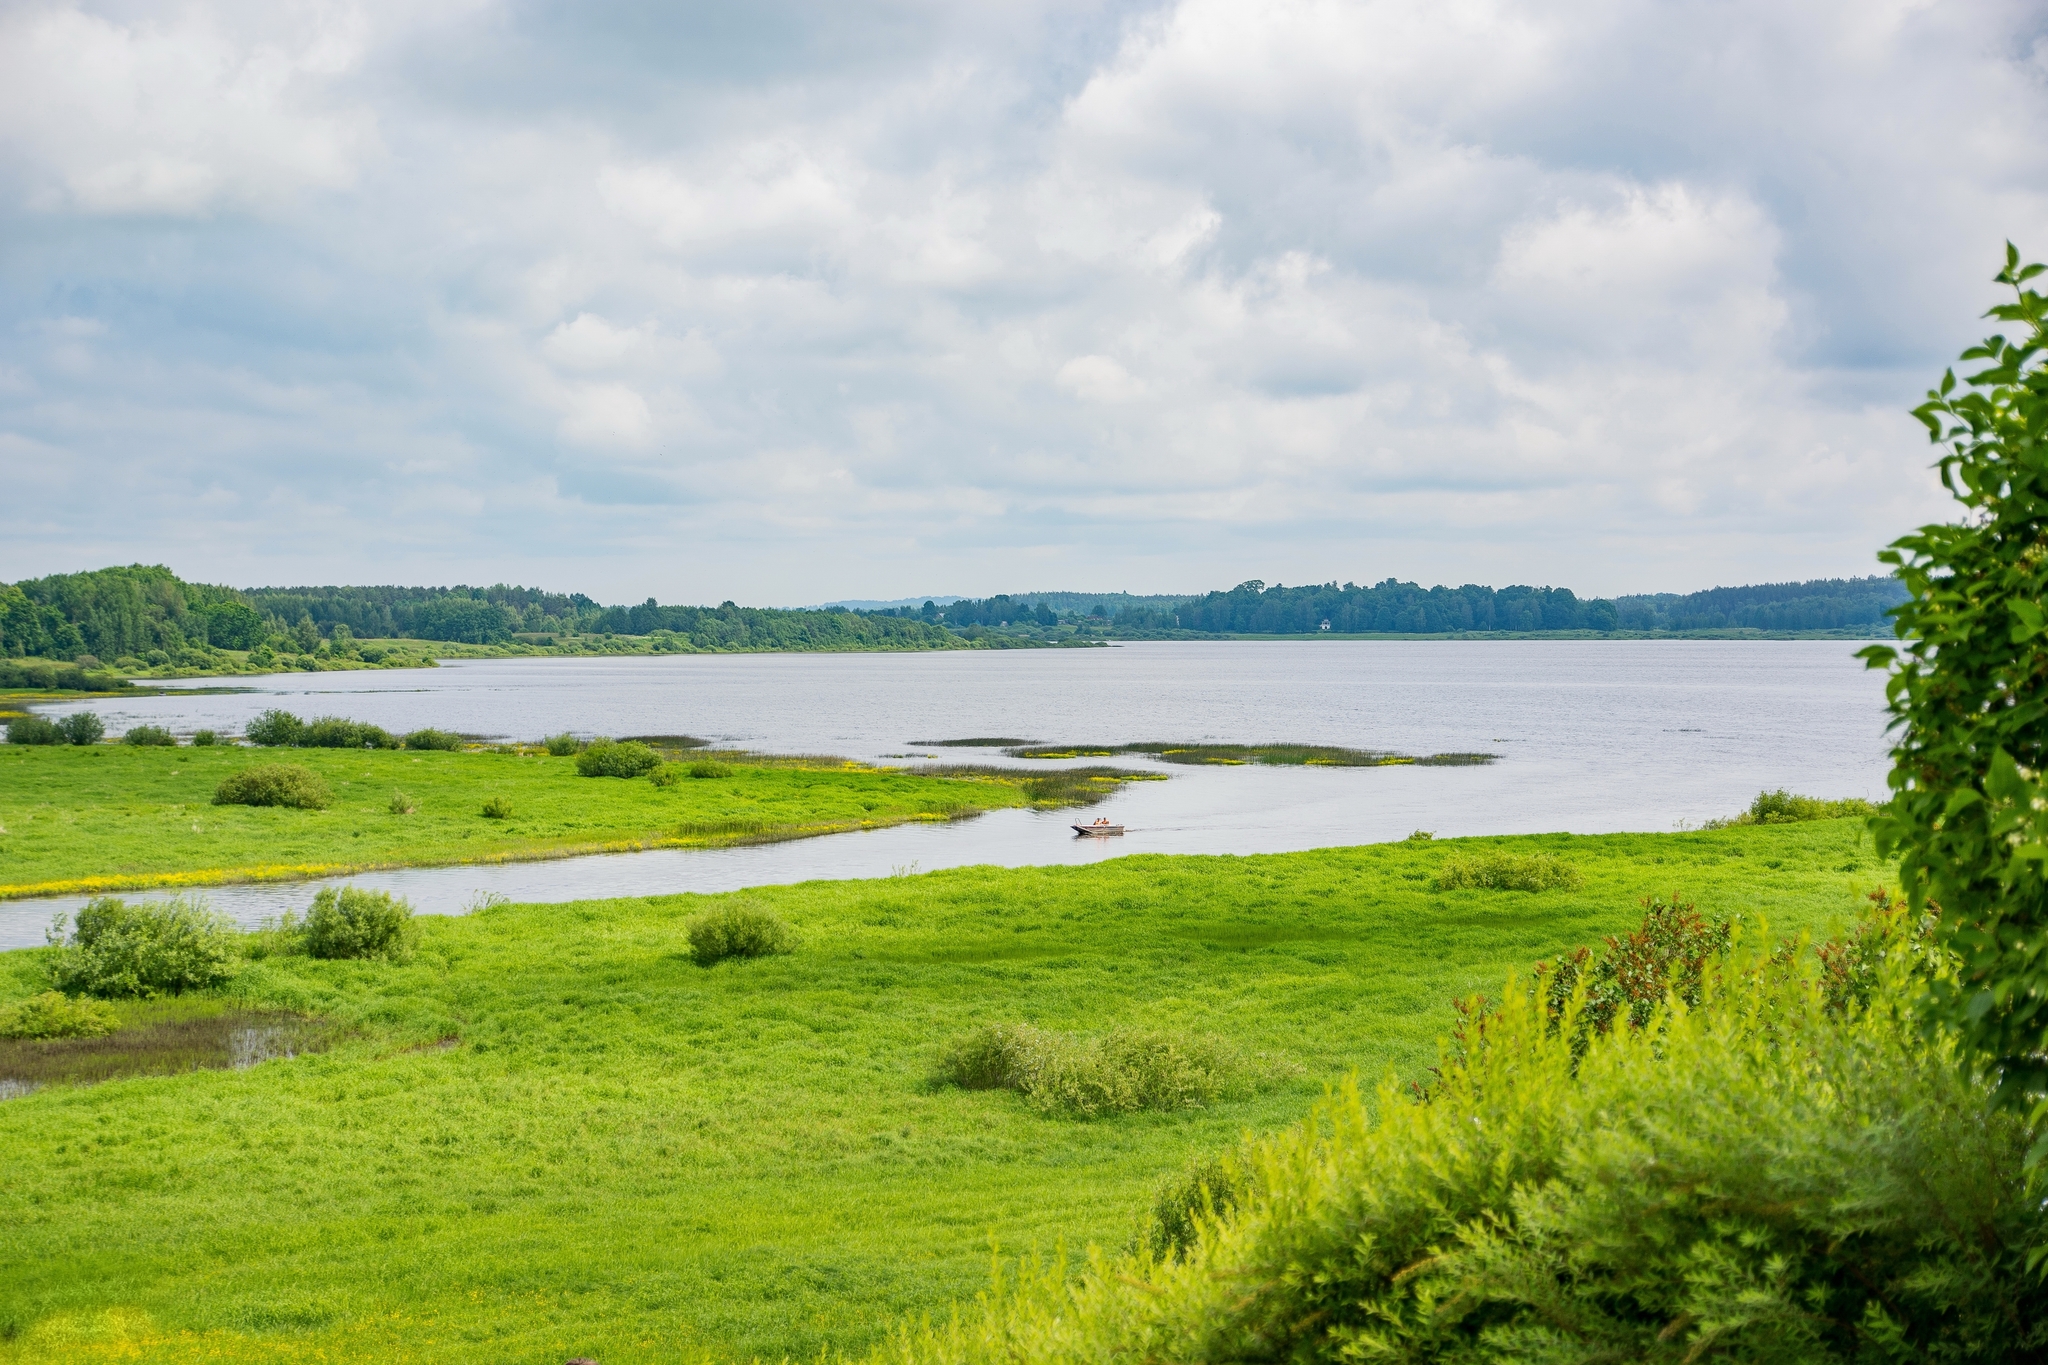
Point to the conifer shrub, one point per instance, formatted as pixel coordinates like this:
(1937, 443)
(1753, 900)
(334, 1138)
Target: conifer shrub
(34, 730)
(149, 737)
(616, 758)
(54, 1014)
(1776, 1173)
(433, 739)
(1114, 1073)
(562, 745)
(274, 729)
(1508, 872)
(273, 784)
(151, 949)
(497, 808)
(82, 727)
(349, 922)
(737, 929)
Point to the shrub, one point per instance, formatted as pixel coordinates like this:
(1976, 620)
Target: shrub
(274, 729)
(1115, 1073)
(401, 804)
(1508, 872)
(1783, 808)
(497, 808)
(616, 758)
(82, 727)
(1968, 818)
(33, 730)
(1758, 1178)
(353, 923)
(1203, 1192)
(737, 930)
(205, 739)
(705, 767)
(55, 1015)
(335, 732)
(667, 775)
(155, 948)
(562, 745)
(149, 737)
(273, 784)
(433, 739)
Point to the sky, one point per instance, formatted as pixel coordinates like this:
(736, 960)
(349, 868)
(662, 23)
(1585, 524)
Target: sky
(791, 301)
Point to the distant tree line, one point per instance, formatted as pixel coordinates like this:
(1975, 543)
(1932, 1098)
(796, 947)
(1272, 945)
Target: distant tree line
(1818, 604)
(1392, 607)
(109, 613)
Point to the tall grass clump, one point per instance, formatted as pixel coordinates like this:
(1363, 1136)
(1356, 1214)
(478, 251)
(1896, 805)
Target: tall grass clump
(273, 784)
(616, 758)
(430, 738)
(737, 930)
(1114, 1073)
(350, 922)
(82, 727)
(1776, 1173)
(54, 1014)
(151, 949)
(34, 730)
(1507, 872)
(562, 745)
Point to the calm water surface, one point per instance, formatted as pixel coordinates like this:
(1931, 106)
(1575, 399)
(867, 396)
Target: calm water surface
(1594, 737)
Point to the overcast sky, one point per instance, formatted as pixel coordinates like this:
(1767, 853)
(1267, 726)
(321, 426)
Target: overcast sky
(790, 301)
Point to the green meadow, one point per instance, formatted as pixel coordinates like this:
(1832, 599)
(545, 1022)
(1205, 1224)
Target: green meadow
(551, 1133)
(112, 816)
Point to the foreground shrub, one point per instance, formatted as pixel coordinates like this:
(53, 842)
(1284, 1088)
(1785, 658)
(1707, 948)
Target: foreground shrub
(705, 767)
(737, 930)
(155, 948)
(34, 730)
(335, 732)
(1115, 1073)
(616, 758)
(349, 922)
(149, 737)
(274, 729)
(1631, 976)
(1764, 1178)
(273, 784)
(433, 739)
(562, 745)
(54, 1014)
(82, 727)
(1507, 872)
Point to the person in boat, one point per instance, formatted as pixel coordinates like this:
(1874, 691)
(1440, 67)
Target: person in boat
(1102, 819)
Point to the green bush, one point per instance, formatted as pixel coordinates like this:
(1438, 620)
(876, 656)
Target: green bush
(149, 737)
(1766, 1177)
(34, 730)
(401, 804)
(273, 784)
(205, 739)
(155, 948)
(433, 739)
(705, 767)
(563, 745)
(1508, 872)
(1968, 818)
(667, 775)
(335, 732)
(737, 930)
(497, 808)
(274, 729)
(352, 923)
(616, 758)
(1115, 1073)
(82, 727)
(54, 1014)
(1189, 1200)
(1783, 808)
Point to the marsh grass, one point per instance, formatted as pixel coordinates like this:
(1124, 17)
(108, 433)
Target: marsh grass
(1054, 790)
(1236, 755)
(162, 1039)
(1119, 1072)
(668, 741)
(1003, 743)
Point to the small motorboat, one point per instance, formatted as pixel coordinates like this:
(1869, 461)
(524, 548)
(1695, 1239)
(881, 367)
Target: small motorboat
(1101, 826)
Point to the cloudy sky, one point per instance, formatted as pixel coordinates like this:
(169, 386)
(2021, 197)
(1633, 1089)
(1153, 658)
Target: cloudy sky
(798, 300)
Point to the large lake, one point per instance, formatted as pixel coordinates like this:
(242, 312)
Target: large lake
(1593, 737)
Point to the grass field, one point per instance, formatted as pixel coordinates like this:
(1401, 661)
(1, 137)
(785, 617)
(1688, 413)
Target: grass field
(552, 1134)
(110, 816)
